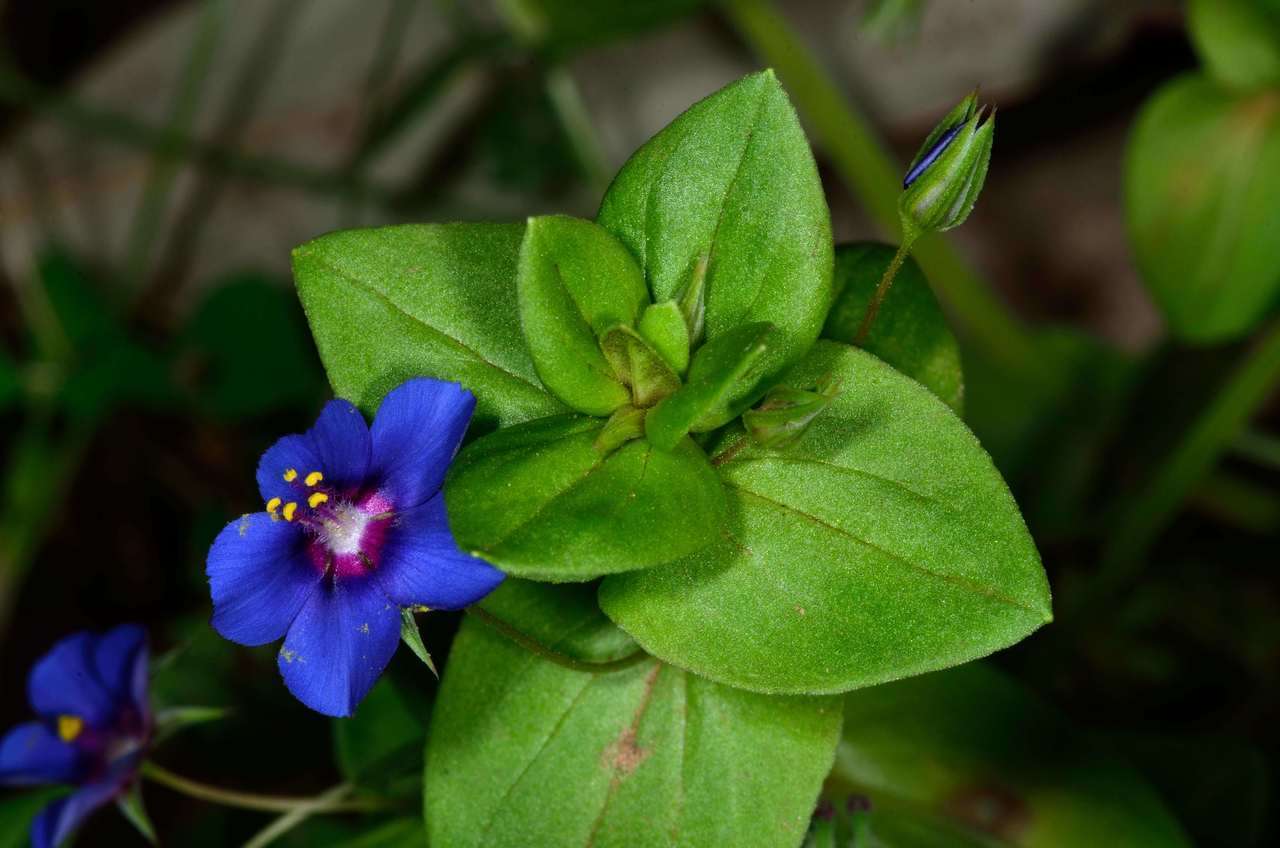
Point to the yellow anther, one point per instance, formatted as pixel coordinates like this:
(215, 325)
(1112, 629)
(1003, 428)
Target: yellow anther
(273, 505)
(290, 474)
(289, 509)
(69, 727)
(313, 478)
(316, 499)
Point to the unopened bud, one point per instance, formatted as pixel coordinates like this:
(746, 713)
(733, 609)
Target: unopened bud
(784, 415)
(943, 181)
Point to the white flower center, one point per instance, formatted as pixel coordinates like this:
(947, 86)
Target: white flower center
(343, 530)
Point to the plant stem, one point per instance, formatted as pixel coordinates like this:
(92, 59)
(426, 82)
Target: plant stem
(882, 290)
(1204, 443)
(288, 821)
(575, 121)
(262, 803)
(870, 173)
(167, 159)
(529, 643)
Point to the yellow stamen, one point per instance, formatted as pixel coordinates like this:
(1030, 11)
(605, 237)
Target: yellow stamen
(313, 478)
(290, 474)
(69, 727)
(289, 509)
(273, 505)
(316, 499)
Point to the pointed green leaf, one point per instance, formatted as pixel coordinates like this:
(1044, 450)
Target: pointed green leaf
(435, 300)
(971, 748)
(730, 188)
(713, 393)
(575, 282)
(1238, 40)
(173, 720)
(1201, 178)
(526, 753)
(910, 332)
(410, 635)
(130, 805)
(545, 500)
(882, 544)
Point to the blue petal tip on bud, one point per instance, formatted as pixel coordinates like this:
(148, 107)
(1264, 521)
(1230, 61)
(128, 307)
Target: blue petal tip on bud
(943, 180)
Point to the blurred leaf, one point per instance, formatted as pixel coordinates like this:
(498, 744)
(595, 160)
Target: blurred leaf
(727, 197)
(893, 20)
(171, 720)
(1050, 434)
(438, 300)
(381, 746)
(364, 832)
(252, 350)
(526, 753)
(910, 332)
(883, 544)
(970, 746)
(565, 26)
(521, 142)
(18, 808)
(570, 509)
(1238, 40)
(198, 670)
(106, 366)
(1201, 177)
(1221, 787)
(10, 381)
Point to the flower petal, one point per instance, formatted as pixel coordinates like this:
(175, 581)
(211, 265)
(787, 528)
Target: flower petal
(416, 433)
(120, 658)
(260, 575)
(422, 564)
(339, 645)
(65, 681)
(338, 446)
(56, 822)
(32, 753)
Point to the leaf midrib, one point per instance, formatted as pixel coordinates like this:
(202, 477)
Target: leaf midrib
(357, 283)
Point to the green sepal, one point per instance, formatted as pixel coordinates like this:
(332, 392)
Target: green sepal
(663, 326)
(412, 637)
(131, 807)
(575, 282)
(173, 720)
(722, 382)
(640, 368)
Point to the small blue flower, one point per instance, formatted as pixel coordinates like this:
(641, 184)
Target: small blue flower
(90, 692)
(354, 530)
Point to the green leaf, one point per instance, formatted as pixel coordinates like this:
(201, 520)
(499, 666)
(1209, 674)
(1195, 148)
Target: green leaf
(732, 182)
(970, 747)
(664, 327)
(542, 500)
(523, 752)
(575, 282)
(436, 300)
(10, 381)
(18, 808)
(1238, 40)
(567, 26)
(173, 720)
(550, 614)
(882, 544)
(910, 332)
(380, 748)
(710, 397)
(1201, 178)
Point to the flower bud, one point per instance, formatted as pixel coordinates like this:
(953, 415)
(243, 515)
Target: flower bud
(943, 181)
(784, 415)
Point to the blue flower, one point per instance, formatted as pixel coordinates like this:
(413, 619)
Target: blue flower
(354, 530)
(90, 692)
